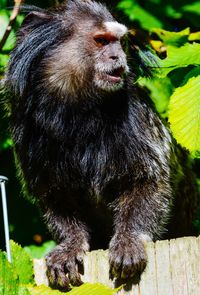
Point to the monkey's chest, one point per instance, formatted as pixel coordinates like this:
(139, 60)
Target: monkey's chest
(112, 165)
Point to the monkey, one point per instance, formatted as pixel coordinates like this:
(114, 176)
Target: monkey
(91, 150)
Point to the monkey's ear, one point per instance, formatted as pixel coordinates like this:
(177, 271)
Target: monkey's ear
(31, 21)
(36, 17)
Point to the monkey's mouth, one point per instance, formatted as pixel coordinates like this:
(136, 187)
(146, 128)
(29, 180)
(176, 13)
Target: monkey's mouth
(115, 76)
(110, 80)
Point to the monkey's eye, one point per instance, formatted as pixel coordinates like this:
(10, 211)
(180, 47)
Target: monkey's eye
(101, 41)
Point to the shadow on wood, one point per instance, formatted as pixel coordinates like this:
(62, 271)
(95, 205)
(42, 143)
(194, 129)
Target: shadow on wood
(173, 269)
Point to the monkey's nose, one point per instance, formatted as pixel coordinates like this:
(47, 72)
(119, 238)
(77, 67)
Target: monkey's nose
(114, 57)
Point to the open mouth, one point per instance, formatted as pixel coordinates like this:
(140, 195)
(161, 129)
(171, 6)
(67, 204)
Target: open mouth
(115, 76)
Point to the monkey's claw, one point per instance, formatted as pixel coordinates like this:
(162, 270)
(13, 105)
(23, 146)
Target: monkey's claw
(127, 257)
(63, 265)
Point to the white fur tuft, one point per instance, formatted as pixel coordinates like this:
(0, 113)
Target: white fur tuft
(116, 28)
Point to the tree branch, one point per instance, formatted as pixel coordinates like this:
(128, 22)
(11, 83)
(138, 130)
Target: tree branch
(12, 20)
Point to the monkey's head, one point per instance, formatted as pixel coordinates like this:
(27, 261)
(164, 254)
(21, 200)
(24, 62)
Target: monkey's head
(74, 50)
(91, 58)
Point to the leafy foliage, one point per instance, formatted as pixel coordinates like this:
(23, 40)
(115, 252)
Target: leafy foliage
(40, 251)
(42, 289)
(14, 276)
(22, 262)
(184, 114)
(184, 102)
(17, 278)
(175, 89)
(161, 13)
(184, 56)
(92, 289)
(9, 282)
(85, 289)
(137, 13)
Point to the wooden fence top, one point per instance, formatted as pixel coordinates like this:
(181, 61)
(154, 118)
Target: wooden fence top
(173, 269)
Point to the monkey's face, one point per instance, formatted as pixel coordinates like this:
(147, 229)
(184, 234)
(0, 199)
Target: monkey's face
(110, 63)
(91, 60)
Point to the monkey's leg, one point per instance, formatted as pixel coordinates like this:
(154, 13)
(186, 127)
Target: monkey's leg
(65, 261)
(139, 216)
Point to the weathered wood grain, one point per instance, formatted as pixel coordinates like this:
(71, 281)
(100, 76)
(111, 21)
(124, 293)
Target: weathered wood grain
(173, 269)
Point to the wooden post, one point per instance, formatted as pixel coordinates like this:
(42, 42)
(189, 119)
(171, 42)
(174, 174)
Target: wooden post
(173, 269)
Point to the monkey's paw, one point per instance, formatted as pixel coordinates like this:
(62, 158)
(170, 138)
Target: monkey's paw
(127, 256)
(64, 265)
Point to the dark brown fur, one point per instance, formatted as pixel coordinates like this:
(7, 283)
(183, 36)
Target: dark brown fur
(98, 162)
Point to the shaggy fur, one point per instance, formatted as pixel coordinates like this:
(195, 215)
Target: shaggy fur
(98, 163)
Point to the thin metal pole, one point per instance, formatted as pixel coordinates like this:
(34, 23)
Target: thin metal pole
(3, 180)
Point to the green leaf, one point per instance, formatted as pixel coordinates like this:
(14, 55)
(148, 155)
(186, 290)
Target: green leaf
(180, 57)
(160, 92)
(44, 290)
(3, 61)
(172, 12)
(85, 289)
(9, 282)
(194, 36)
(184, 114)
(193, 73)
(23, 264)
(40, 251)
(126, 4)
(3, 3)
(173, 38)
(23, 291)
(136, 13)
(7, 143)
(4, 20)
(92, 289)
(194, 7)
(20, 19)
(197, 156)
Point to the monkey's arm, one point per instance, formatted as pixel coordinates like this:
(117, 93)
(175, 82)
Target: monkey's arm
(139, 215)
(64, 261)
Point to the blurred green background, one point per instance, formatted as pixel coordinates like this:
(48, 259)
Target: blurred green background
(151, 18)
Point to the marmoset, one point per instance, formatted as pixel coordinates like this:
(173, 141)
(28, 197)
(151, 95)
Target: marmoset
(90, 148)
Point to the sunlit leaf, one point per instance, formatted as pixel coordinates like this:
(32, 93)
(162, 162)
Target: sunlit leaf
(85, 289)
(44, 290)
(92, 289)
(22, 263)
(184, 114)
(173, 38)
(194, 36)
(3, 61)
(23, 291)
(9, 282)
(158, 46)
(180, 57)
(160, 92)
